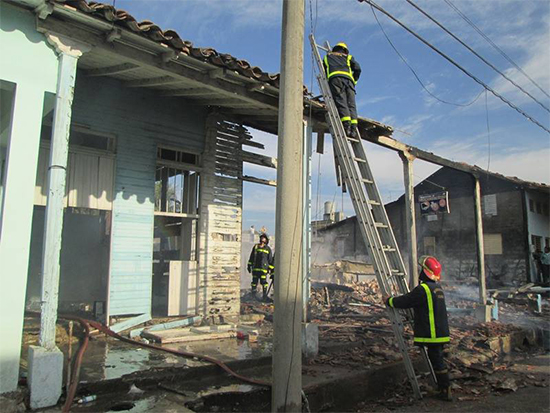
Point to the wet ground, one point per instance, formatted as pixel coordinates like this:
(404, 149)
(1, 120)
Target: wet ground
(530, 372)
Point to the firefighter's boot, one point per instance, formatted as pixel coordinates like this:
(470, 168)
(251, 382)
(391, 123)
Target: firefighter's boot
(446, 394)
(347, 127)
(264, 290)
(353, 131)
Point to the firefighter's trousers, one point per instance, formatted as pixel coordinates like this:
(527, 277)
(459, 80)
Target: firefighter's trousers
(435, 354)
(343, 93)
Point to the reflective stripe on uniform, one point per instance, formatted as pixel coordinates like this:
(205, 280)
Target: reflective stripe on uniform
(346, 119)
(431, 314)
(433, 336)
(259, 269)
(271, 267)
(349, 73)
(262, 250)
(354, 121)
(432, 340)
(390, 302)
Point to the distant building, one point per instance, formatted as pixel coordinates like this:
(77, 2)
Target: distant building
(516, 223)
(330, 217)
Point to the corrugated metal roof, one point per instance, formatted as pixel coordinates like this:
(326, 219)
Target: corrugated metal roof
(171, 38)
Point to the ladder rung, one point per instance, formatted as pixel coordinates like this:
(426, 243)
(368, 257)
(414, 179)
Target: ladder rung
(372, 202)
(397, 272)
(360, 160)
(387, 248)
(353, 139)
(380, 225)
(366, 181)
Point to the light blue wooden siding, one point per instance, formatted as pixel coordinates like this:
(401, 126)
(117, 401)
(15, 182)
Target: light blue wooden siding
(141, 120)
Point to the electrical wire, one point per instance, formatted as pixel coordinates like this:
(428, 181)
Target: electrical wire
(414, 72)
(476, 54)
(503, 54)
(477, 80)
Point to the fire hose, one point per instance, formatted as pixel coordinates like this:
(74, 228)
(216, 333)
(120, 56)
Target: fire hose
(86, 324)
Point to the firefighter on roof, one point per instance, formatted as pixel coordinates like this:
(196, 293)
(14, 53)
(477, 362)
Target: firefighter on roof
(431, 327)
(343, 73)
(260, 264)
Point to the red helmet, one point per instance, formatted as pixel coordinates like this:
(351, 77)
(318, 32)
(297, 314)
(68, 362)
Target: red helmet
(431, 267)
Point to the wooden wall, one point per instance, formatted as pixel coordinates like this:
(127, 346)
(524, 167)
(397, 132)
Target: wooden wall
(221, 219)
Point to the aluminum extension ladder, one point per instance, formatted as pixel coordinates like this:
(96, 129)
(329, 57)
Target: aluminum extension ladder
(372, 218)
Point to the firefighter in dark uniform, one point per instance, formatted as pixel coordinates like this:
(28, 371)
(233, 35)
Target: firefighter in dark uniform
(343, 73)
(260, 264)
(431, 327)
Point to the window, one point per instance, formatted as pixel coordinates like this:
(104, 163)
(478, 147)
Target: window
(172, 155)
(492, 244)
(7, 94)
(545, 209)
(531, 205)
(536, 241)
(547, 240)
(490, 205)
(429, 245)
(539, 207)
(176, 183)
(83, 138)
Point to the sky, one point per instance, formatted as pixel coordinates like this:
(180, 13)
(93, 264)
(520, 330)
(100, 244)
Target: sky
(487, 133)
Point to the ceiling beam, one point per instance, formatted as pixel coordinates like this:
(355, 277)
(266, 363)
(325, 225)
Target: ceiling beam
(153, 82)
(111, 70)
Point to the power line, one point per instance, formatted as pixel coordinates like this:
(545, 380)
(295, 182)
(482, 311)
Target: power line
(476, 54)
(477, 29)
(414, 72)
(521, 111)
(488, 133)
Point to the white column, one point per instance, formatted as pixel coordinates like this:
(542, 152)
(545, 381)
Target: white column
(46, 361)
(16, 224)
(410, 217)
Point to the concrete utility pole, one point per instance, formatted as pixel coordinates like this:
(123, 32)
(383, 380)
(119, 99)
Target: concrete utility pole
(410, 217)
(286, 394)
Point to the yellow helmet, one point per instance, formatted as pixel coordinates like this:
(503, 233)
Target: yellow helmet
(342, 45)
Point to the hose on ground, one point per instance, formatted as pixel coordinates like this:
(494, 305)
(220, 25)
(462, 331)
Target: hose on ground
(86, 324)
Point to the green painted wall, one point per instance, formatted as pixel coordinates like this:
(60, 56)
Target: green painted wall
(30, 63)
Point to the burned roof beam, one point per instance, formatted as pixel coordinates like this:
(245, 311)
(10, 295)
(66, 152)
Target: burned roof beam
(258, 159)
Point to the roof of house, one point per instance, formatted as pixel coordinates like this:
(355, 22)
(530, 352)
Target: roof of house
(171, 38)
(205, 76)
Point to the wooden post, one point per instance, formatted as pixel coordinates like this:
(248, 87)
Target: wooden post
(69, 52)
(410, 217)
(479, 242)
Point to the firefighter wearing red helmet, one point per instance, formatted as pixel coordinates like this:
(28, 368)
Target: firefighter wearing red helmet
(431, 327)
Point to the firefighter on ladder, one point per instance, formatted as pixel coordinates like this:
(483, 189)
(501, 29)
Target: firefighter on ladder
(343, 72)
(260, 264)
(431, 327)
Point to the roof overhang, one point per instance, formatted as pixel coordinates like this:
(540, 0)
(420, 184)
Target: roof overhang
(140, 62)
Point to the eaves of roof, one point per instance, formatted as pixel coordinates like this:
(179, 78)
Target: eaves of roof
(236, 68)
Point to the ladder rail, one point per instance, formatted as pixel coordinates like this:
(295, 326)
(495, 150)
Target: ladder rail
(356, 173)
